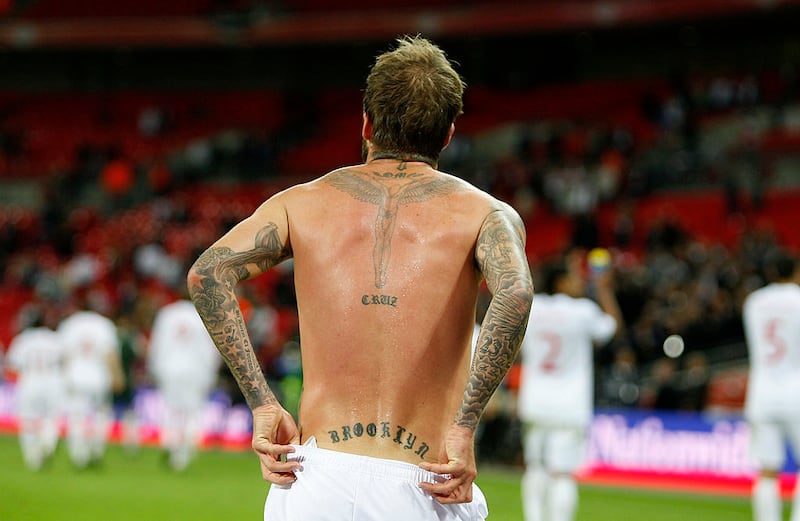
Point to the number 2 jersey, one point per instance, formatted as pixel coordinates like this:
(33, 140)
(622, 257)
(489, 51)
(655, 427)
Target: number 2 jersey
(557, 381)
(772, 328)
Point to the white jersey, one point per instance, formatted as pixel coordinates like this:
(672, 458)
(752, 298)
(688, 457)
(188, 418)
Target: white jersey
(90, 340)
(181, 348)
(557, 381)
(771, 318)
(37, 355)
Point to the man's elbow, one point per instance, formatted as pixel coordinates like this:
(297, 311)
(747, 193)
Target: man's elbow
(523, 293)
(197, 281)
(192, 282)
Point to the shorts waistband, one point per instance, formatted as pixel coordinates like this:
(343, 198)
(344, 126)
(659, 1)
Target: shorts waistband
(378, 467)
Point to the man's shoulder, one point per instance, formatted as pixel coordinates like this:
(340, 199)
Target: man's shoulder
(366, 184)
(178, 306)
(773, 292)
(81, 319)
(564, 302)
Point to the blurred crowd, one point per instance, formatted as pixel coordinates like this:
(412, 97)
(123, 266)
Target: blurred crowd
(127, 255)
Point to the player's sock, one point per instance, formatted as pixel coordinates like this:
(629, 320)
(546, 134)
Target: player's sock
(180, 458)
(796, 501)
(79, 452)
(78, 445)
(31, 450)
(534, 490)
(50, 437)
(563, 498)
(766, 500)
(131, 432)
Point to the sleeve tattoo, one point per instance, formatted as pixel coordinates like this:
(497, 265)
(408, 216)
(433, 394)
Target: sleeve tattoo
(212, 282)
(500, 253)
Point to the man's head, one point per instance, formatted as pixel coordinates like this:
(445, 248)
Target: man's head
(412, 99)
(564, 277)
(785, 268)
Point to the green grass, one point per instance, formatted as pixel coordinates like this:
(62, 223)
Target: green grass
(228, 486)
(601, 503)
(217, 486)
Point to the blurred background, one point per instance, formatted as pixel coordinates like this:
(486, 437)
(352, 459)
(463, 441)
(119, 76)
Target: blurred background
(134, 133)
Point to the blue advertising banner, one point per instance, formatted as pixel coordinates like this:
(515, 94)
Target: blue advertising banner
(632, 441)
(673, 442)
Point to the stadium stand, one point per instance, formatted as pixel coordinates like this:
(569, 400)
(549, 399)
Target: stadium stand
(652, 151)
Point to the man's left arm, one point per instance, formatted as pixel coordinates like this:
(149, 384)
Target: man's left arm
(500, 255)
(252, 247)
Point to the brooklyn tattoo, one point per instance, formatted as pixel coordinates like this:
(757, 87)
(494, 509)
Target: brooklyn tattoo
(389, 197)
(384, 430)
(500, 253)
(212, 283)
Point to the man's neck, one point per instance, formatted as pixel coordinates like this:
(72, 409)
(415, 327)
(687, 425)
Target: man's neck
(402, 156)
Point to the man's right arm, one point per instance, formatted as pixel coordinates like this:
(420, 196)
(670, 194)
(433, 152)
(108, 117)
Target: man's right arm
(607, 299)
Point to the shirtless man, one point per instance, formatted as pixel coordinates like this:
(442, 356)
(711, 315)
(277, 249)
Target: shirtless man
(388, 258)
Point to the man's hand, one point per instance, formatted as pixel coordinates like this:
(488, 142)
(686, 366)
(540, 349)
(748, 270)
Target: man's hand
(458, 461)
(274, 430)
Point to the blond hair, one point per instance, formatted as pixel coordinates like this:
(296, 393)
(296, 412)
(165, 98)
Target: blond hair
(413, 95)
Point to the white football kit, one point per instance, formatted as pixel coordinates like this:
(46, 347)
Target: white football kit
(37, 355)
(184, 363)
(556, 398)
(91, 341)
(556, 387)
(772, 327)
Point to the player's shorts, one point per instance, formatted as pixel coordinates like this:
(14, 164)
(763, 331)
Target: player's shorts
(768, 442)
(40, 399)
(183, 394)
(557, 449)
(337, 486)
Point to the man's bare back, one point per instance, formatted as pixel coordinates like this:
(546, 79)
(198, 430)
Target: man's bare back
(388, 257)
(386, 280)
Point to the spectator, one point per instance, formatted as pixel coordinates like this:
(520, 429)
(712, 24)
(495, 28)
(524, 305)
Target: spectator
(619, 382)
(696, 377)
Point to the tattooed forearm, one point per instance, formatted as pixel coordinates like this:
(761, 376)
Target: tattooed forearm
(212, 282)
(500, 253)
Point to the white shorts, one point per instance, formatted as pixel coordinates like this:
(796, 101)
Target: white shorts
(40, 399)
(337, 486)
(556, 449)
(183, 395)
(768, 442)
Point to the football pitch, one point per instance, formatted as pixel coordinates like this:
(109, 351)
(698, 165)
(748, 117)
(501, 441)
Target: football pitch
(227, 486)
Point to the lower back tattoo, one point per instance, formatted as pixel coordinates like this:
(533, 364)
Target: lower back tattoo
(380, 431)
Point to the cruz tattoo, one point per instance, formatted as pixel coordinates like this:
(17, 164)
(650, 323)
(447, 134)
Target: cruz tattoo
(389, 197)
(500, 253)
(383, 300)
(212, 283)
